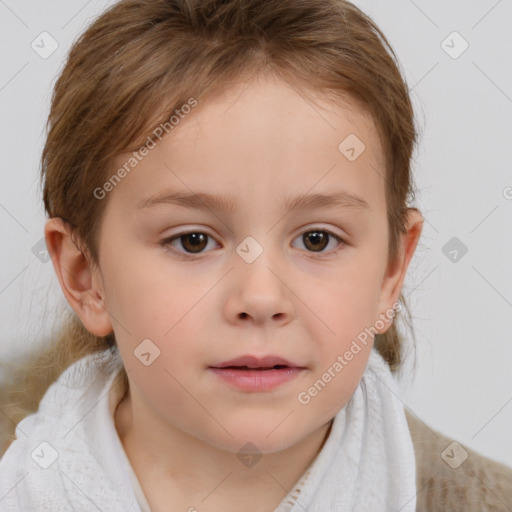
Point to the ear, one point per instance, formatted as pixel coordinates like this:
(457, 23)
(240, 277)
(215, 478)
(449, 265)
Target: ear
(397, 269)
(81, 284)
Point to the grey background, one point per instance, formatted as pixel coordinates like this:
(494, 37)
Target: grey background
(462, 385)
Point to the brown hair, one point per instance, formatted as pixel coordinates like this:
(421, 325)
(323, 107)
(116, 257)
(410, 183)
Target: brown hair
(142, 59)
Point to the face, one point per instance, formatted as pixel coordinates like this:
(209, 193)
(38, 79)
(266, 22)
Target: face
(204, 283)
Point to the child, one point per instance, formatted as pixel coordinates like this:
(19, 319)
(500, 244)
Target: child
(216, 360)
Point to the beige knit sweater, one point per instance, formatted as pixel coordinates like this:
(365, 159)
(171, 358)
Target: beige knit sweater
(472, 484)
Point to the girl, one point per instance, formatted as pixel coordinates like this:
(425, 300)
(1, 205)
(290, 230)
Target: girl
(227, 186)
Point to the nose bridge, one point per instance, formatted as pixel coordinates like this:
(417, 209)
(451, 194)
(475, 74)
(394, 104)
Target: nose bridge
(257, 261)
(260, 289)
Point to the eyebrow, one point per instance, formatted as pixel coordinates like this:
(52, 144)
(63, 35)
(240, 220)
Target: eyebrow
(225, 203)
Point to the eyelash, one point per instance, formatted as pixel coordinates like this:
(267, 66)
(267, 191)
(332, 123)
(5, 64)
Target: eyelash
(165, 243)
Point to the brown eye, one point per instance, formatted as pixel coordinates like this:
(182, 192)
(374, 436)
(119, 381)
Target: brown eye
(184, 244)
(194, 242)
(317, 240)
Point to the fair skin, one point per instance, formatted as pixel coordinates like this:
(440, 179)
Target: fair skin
(180, 425)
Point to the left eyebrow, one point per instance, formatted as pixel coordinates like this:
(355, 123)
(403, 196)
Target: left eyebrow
(203, 201)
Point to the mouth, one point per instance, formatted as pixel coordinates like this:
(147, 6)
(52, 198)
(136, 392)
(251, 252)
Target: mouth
(259, 369)
(259, 363)
(255, 380)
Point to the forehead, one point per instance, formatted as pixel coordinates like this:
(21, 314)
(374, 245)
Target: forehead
(266, 136)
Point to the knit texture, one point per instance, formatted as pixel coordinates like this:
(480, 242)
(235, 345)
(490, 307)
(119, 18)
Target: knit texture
(367, 462)
(473, 484)
(74, 419)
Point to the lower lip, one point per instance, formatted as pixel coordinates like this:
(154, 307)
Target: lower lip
(256, 380)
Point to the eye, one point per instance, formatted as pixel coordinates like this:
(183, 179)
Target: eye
(193, 242)
(317, 239)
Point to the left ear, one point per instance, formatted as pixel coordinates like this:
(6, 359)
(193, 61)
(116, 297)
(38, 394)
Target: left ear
(397, 269)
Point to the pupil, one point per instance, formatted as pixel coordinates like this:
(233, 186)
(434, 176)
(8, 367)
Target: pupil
(197, 241)
(316, 237)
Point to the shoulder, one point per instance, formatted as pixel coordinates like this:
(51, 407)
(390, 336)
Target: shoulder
(450, 476)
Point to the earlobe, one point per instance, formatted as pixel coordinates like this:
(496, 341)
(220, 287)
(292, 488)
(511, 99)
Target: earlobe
(397, 270)
(80, 284)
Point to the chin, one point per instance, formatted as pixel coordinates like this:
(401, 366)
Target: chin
(262, 440)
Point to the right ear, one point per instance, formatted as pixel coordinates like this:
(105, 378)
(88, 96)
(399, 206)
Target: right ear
(80, 282)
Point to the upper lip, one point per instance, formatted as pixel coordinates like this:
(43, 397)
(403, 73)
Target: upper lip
(257, 362)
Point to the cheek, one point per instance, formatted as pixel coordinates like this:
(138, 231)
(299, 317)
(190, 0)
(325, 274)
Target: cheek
(150, 295)
(344, 313)
(160, 388)
(333, 385)
(171, 314)
(342, 306)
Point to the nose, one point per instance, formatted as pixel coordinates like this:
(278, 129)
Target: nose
(259, 292)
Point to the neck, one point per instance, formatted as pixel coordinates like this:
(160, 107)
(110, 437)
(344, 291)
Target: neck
(171, 464)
